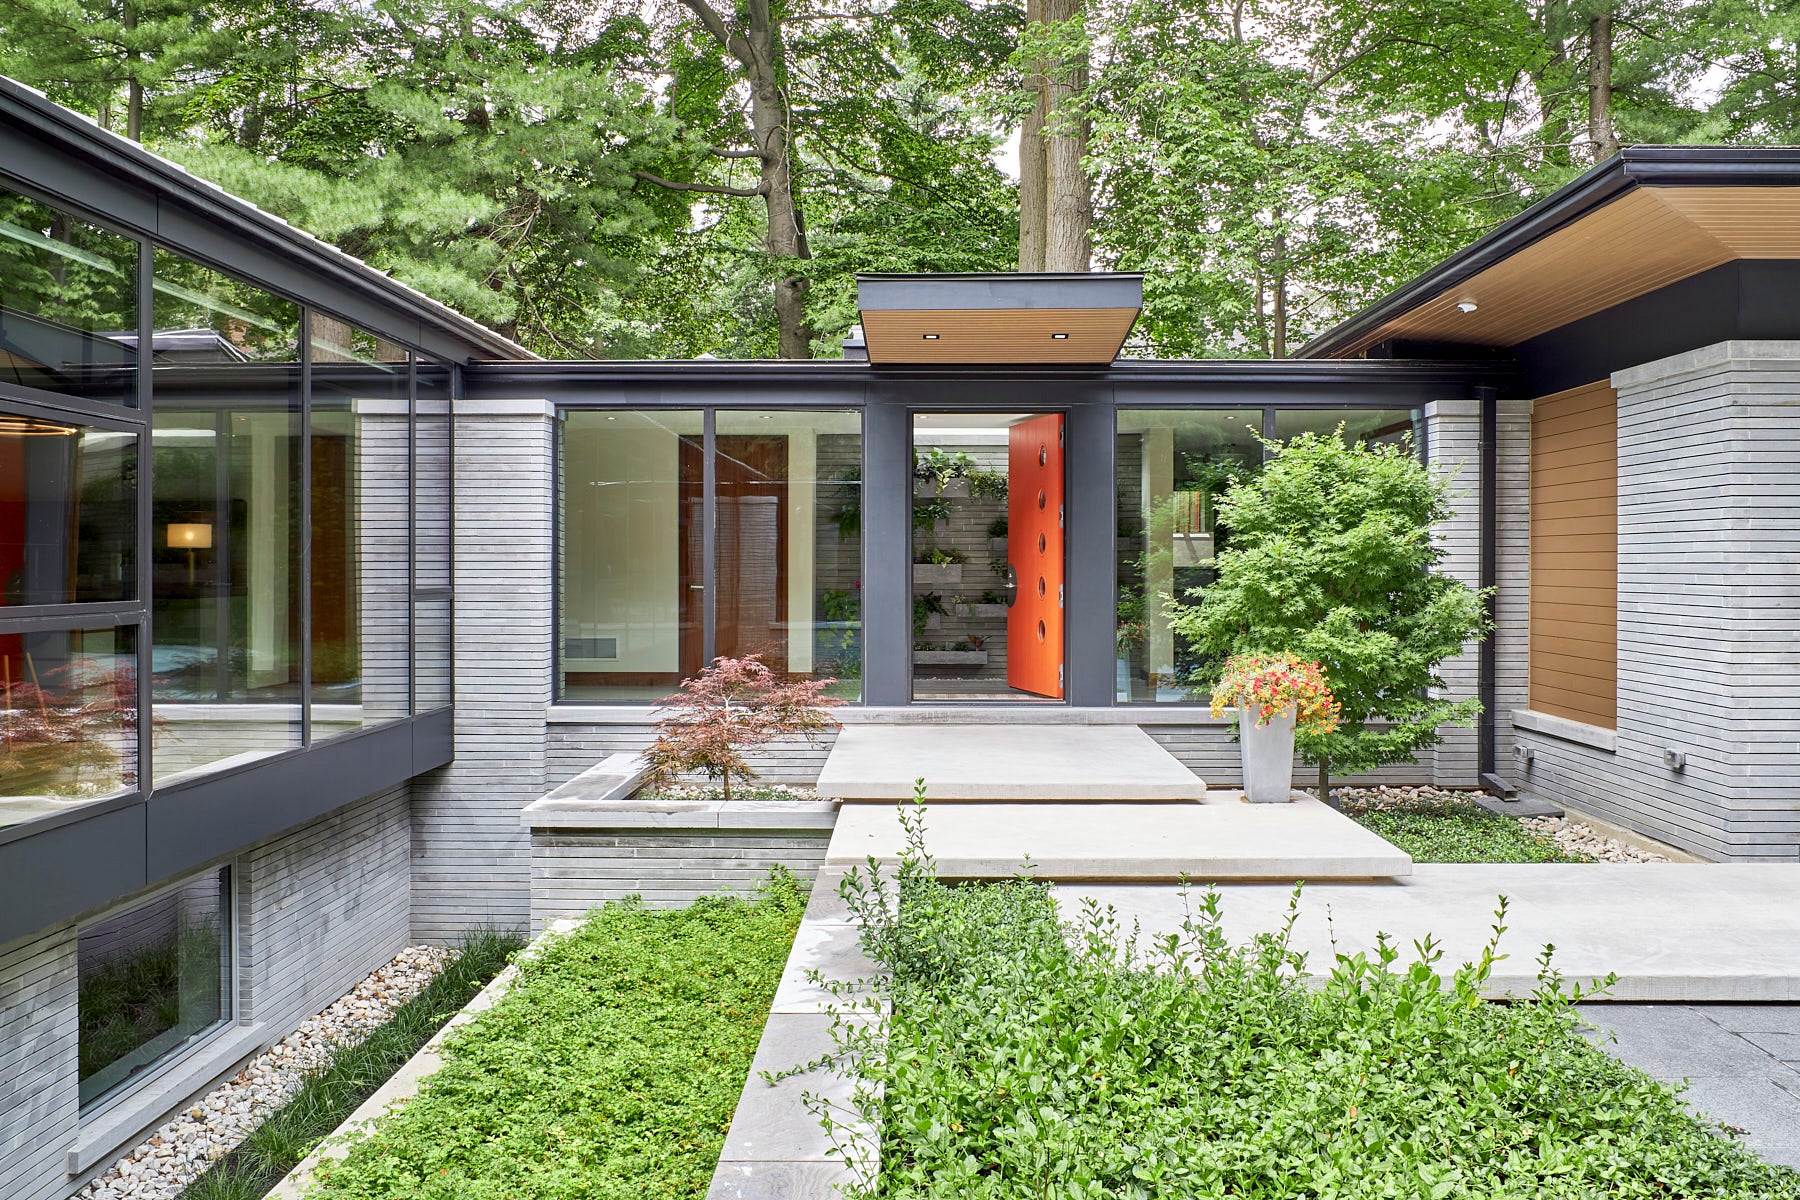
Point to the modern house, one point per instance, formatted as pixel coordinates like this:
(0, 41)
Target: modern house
(308, 584)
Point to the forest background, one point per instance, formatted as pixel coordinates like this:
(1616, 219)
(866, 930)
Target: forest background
(667, 178)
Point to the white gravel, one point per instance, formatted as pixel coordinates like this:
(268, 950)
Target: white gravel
(1575, 836)
(176, 1154)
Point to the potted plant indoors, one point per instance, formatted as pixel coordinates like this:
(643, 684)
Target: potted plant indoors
(1274, 695)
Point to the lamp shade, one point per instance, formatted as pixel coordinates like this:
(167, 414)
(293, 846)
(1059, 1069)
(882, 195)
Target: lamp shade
(190, 537)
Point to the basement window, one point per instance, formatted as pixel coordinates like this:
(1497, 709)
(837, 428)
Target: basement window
(153, 980)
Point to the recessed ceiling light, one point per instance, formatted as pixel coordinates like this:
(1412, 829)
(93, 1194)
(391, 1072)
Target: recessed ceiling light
(1059, 337)
(612, 418)
(1465, 306)
(931, 337)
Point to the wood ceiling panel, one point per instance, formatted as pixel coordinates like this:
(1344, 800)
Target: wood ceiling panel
(996, 335)
(1750, 222)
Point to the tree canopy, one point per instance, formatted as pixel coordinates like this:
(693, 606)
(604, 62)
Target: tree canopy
(676, 177)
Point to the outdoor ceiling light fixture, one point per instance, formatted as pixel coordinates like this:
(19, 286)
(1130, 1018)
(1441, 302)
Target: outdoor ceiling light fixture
(1465, 306)
(930, 337)
(1059, 337)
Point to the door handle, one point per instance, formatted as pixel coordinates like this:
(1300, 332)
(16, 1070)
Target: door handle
(1011, 585)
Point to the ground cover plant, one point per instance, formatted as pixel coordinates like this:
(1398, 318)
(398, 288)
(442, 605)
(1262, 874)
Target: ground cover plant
(1457, 831)
(326, 1099)
(1026, 1056)
(608, 1071)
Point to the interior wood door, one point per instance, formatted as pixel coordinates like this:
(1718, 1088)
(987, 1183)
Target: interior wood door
(1034, 546)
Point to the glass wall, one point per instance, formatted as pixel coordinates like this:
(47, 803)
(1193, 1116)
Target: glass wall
(785, 576)
(152, 979)
(68, 719)
(68, 303)
(1383, 426)
(226, 520)
(360, 506)
(68, 512)
(433, 499)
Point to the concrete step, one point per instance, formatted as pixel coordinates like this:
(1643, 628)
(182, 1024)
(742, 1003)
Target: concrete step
(1223, 838)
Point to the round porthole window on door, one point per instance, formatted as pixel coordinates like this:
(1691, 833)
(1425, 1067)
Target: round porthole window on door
(1043, 455)
(1042, 586)
(1042, 632)
(1042, 499)
(1041, 543)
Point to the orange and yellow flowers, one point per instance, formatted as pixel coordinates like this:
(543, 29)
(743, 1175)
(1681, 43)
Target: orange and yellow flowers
(1271, 684)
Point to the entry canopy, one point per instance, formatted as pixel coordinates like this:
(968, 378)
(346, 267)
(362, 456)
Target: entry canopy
(1074, 320)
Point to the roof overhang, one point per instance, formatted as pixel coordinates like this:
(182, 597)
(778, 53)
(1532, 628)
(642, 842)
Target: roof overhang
(1074, 319)
(1644, 219)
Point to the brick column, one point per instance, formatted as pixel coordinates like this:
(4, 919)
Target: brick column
(1453, 441)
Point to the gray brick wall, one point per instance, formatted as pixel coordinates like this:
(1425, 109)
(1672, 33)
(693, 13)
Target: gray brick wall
(1512, 606)
(1708, 607)
(38, 1098)
(471, 858)
(1453, 435)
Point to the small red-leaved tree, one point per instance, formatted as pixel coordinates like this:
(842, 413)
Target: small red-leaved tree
(735, 705)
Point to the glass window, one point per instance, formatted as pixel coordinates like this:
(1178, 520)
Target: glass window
(1374, 426)
(152, 978)
(1172, 466)
(68, 303)
(226, 536)
(68, 513)
(359, 528)
(432, 500)
(68, 719)
(633, 584)
(789, 572)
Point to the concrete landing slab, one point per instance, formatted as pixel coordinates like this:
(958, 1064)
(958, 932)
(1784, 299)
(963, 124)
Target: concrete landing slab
(1223, 838)
(1671, 931)
(1004, 763)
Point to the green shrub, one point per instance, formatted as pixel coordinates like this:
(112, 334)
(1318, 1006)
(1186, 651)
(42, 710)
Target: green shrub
(325, 1099)
(1450, 832)
(609, 1071)
(1028, 1057)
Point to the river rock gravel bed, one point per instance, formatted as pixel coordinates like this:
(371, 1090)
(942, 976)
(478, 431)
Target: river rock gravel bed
(1574, 836)
(178, 1152)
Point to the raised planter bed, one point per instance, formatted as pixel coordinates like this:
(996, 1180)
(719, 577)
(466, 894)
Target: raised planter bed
(938, 574)
(952, 489)
(594, 840)
(985, 612)
(997, 548)
(950, 658)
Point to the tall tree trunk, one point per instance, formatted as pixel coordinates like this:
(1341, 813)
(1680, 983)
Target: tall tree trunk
(134, 88)
(1279, 339)
(1068, 242)
(1601, 134)
(1034, 198)
(785, 234)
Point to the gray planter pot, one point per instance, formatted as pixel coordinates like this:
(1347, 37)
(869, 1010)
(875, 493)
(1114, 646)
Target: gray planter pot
(988, 612)
(953, 489)
(1267, 753)
(950, 658)
(945, 574)
(997, 548)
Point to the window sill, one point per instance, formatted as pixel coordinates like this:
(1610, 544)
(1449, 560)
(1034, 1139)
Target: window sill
(118, 1124)
(1566, 730)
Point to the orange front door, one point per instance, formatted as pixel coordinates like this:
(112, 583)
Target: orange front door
(1034, 546)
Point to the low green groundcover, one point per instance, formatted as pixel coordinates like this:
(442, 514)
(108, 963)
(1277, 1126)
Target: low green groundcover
(609, 1070)
(1026, 1057)
(1456, 831)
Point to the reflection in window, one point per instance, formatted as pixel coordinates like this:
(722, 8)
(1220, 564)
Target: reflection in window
(68, 719)
(152, 978)
(68, 513)
(633, 584)
(68, 303)
(1172, 468)
(359, 529)
(431, 533)
(1361, 426)
(225, 534)
(789, 575)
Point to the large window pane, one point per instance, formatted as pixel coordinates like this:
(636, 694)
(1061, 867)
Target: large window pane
(633, 585)
(68, 513)
(226, 533)
(789, 488)
(152, 978)
(68, 719)
(359, 529)
(432, 501)
(68, 303)
(1172, 467)
(1372, 426)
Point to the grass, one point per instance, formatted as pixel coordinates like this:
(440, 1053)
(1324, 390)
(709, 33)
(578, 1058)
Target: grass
(328, 1097)
(1457, 831)
(1027, 1056)
(609, 1071)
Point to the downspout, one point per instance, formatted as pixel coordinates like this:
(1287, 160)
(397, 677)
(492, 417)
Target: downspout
(1486, 570)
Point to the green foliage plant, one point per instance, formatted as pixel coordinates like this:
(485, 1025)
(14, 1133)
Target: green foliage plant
(328, 1097)
(1332, 558)
(609, 1070)
(998, 526)
(1028, 1055)
(987, 484)
(940, 466)
(925, 606)
(936, 556)
(1448, 831)
(927, 512)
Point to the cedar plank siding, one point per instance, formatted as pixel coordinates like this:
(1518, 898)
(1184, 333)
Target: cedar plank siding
(1575, 554)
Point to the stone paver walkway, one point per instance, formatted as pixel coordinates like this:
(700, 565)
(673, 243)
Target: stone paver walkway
(1741, 1062)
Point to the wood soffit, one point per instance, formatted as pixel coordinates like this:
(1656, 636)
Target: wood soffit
(1645, 239)
(996, 335)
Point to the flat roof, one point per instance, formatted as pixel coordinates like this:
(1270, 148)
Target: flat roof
(1070, 319)
(1643, 219)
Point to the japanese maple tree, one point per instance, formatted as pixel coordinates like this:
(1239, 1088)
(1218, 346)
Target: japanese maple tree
(732, 707)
